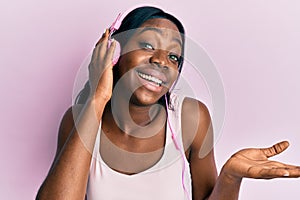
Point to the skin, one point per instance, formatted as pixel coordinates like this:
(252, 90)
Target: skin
(68, 176)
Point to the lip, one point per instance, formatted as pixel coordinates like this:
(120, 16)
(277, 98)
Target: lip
(154, 87)
(155, 73)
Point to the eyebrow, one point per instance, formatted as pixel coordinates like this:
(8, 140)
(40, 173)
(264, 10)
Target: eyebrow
(160, 31)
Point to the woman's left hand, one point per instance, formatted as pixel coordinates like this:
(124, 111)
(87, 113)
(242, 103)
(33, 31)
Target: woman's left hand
(255, 163)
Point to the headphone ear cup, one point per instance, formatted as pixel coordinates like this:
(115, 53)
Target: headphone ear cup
(117, 53)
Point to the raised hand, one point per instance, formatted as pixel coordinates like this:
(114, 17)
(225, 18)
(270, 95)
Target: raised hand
(100, 69)
(255, 163)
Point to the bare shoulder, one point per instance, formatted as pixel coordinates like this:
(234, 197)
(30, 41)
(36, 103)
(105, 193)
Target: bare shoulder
(67, 124)
(195, 121)
(194, 106)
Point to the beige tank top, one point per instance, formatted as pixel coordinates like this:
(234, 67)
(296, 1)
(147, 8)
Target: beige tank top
(168, 179)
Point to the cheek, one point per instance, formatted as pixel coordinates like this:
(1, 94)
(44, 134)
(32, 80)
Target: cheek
(131, 60)
(175, 77)
(173, 73)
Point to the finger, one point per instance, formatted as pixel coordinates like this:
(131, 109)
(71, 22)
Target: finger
(101, 39)
(110, 54)
(106, 33)
(103, 49)
(288, 166)
(275, 149)
(277, 172)
(96, 50)
(279, 165)
(100, 47)
(280, 172)
(293, 172)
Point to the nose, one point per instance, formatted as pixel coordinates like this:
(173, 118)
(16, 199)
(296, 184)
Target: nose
(160, 58)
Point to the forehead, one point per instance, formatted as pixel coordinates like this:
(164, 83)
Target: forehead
(163, 26)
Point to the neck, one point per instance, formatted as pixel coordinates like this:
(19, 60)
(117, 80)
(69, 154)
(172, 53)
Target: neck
(144, 115)
(137, 120)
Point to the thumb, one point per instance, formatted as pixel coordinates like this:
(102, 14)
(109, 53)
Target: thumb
(275, 149)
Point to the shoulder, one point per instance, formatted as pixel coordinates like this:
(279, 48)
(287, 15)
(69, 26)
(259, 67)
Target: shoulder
(192, 106)
(196, 123)
(70, 116)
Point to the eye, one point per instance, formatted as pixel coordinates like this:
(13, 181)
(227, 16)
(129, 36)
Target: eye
(174, 57)
(146, 45)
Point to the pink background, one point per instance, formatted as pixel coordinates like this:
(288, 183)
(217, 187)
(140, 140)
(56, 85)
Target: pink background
(254, 44)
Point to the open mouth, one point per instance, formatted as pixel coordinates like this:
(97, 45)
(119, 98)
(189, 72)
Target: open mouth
(151, 79)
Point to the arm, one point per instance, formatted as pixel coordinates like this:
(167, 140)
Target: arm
(252, 163)
(249, 163)
(197, 132)
(206, 184)
(68, 175)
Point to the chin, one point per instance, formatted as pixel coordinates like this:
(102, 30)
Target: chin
(144, 98)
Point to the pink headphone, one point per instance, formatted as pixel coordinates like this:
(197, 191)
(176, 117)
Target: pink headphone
(115, 26)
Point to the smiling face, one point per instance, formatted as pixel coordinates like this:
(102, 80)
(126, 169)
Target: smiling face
(151, 57)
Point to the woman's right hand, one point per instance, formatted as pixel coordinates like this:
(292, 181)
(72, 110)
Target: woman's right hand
(100, 69)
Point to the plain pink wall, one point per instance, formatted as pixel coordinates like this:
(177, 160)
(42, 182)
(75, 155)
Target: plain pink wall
(254, 44)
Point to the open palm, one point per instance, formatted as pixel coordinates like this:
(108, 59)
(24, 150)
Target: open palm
(255, 163)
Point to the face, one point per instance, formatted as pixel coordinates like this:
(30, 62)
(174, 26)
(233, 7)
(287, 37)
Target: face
(150, 60)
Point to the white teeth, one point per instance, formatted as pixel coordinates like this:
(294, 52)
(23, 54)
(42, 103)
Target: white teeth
(150, 78)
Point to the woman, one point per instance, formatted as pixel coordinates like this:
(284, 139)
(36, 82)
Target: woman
(140, 141)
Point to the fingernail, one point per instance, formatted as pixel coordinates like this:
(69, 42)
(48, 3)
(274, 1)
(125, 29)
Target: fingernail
(286, 174)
